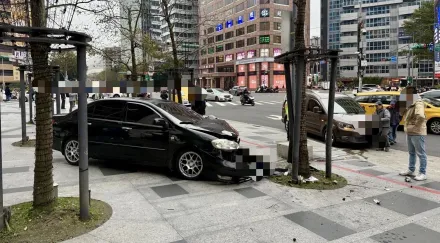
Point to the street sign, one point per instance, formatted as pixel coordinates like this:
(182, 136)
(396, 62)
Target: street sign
(393, 59)
(410, 79)
(364, 63)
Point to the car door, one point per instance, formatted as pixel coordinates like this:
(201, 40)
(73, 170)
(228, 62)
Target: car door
(313, 121)
(210, 95)
(105, 129)
(144, 142)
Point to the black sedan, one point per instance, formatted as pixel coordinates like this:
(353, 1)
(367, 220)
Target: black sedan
(152, 132)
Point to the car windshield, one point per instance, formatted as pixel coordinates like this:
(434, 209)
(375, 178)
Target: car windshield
(180, 112)
(345, 106)
(432, 101)
(220, 90)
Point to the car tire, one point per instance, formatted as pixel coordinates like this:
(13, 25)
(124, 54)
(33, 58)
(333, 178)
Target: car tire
(93, 97)
(71, 151)
(324, 134)
(286, 124)
(116, 96)
(434, 126)
(186, 159)
(25, 99)
(216, 98)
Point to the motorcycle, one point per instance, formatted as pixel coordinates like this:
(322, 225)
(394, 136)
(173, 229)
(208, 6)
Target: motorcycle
(247, 99)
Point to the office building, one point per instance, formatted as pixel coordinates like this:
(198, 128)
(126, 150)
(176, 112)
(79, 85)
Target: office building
(239, 40)
(384, 39)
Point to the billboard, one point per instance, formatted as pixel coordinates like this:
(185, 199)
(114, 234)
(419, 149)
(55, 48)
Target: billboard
(437, 39)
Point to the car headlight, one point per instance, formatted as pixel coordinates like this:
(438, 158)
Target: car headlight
(345, 126)
(224, 144)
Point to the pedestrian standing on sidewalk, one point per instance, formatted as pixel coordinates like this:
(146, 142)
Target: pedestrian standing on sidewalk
(394, 121)
(8, 93)
(384, 126)
(63, 101)
(73, 97)
(412, 107)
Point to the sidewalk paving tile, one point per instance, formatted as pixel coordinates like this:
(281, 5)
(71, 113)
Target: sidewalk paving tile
(319, 225)
(15, 169)
(409, 233)
(403, 203)
(106, 171)
(169, 190)
(433, 185)
(373, 172)
(358, 163)
(179, 241)
(18, 189)
(250, 192)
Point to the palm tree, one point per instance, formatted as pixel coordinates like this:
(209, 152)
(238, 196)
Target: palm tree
(43, 177)
(304, 166)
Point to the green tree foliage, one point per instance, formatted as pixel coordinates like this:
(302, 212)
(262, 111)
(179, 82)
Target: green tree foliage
(420, 26)
(66, 61)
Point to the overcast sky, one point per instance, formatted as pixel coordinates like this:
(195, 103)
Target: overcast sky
(87, 23)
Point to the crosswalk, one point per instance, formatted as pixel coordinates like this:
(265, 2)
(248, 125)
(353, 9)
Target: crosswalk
(234, 103)
(274, 117)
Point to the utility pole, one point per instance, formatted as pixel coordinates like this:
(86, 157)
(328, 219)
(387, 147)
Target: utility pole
(360, 52)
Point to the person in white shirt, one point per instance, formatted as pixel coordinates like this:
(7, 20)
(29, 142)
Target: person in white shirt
(73, 97)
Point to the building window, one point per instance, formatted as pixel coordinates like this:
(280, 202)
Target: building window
(229, 57)
(251, 54)
(239, 32)
(251, 28)
(264, 52)
(264, 1)
(210, 30)
(277, 39)
(282, 2)
(203, 52)
(204, 61)
(278, 13)
(210, 50)
(211, 60)
(219, 48)
(277, 26)
(211, 40)
(239, 7)
(240, 44)
(8, 73)
(204, 42)
(229, 35)
(252, 41)
(219, 59)
(251, 3)
(229, 46)
(264, 26)
(264, 39)
(219, 38)
(240, 55)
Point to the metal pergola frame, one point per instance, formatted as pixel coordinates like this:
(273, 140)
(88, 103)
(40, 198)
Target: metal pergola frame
(79, 41)
(311, 54)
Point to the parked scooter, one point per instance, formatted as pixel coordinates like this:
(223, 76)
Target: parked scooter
(247, 99)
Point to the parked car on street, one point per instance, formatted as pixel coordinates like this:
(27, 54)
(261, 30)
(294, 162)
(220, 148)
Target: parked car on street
(237, 90)
(218, 95)
(434, 94)
(432, 111)
(152, 132)
(348, 115)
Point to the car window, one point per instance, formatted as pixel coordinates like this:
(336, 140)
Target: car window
(311, 104)
(375, 99)
(140, 114)
(90, 110)
(220, 90)
(362, 99)
(345, 106)
(180, 112)
(386, 99)
(110, 110)
(209, 90)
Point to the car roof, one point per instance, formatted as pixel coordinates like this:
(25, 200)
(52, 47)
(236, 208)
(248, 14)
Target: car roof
(138, 100)
(324, 94)
(379, 93)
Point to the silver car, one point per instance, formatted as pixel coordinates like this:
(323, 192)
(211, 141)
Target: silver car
(218, 95)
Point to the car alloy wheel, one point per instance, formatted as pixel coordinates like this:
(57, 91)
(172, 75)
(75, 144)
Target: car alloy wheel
(71, 151)
(190, 165)
(116, 96)
(325, 137)
(434, 126)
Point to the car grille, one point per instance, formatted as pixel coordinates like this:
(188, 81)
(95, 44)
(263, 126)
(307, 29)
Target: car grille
(227, 96)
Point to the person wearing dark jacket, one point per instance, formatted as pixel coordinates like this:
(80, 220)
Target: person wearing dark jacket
(394, 122)
(63, 101)
(8, 93)
(384, 126)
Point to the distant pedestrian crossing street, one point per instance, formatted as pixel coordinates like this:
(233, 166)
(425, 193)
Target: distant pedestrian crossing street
(235, 103)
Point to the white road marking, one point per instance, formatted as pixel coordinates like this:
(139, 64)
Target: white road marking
(209, 105)
(220, 104)
(258, 103)
(268, 102)
(232, 103)
(274, 117)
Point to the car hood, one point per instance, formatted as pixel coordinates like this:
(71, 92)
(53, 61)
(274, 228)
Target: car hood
(215, 127)
(359, 121)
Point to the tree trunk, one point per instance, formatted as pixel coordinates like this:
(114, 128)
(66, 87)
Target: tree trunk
(132, 46)
(43, 177)
(177, 79)
(304, 166)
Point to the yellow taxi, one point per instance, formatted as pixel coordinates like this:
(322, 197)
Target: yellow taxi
(432, 112)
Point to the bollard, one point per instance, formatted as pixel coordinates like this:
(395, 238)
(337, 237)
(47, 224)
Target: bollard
(55, 190)
(90, 197)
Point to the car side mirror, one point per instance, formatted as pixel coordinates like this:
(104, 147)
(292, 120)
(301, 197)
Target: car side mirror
(316, 109)
(161, 122)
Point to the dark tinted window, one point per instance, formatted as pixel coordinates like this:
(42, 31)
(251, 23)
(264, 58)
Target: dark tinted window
(140, 114)
(110, 110)
(90, 110)
(311, 104)
(180, 112)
